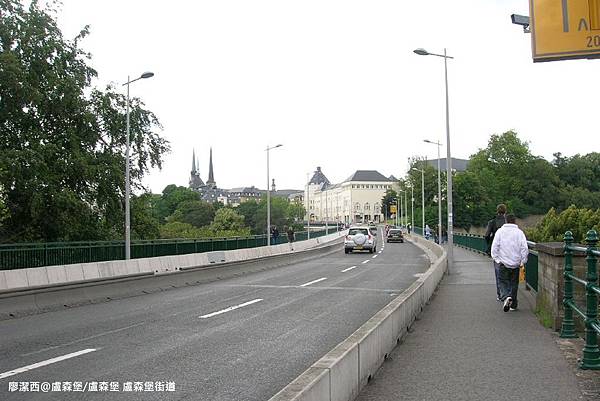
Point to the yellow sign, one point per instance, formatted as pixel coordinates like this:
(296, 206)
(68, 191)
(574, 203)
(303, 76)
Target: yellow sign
(565, 29)
(392, 208)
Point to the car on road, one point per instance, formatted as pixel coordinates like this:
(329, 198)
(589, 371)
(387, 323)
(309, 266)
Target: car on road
(395, 235)
(359, 238)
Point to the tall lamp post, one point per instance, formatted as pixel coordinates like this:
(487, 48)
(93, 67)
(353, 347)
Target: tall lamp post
(412, 206)
(422, 199)
(423, 52)
(439, 190)
(307, 206)
(269, 197)
(401, 208)
(127, 170)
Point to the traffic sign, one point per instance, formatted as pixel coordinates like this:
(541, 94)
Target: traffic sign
(565, 29)
(392, 208)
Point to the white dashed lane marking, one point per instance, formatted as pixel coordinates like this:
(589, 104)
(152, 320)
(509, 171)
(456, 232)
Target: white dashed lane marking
(231, 308)
(348, 269)
(313, 282)
(45, 363)
(366, 261)
(373, 257)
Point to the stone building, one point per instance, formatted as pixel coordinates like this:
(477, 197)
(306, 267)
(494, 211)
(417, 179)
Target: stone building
(356, 199)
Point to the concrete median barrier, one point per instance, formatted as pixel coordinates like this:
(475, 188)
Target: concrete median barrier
(72, 285)
(354, 362)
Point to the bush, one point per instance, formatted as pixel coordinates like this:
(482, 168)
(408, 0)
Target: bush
(553, 226)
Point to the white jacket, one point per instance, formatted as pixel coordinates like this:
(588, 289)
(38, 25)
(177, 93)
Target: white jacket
(510, 246)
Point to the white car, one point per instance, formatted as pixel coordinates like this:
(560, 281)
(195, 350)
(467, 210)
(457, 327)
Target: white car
(359, 238)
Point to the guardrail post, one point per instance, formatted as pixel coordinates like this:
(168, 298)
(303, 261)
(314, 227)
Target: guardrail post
(568, 324)
(591, 352)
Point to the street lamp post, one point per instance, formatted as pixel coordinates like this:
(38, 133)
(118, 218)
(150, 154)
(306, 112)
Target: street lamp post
(439, 190)
(424, 52)
(127, 171)
(401, 208)
(422, 199)
(269, 197)
(308, 206)
(412, 206)
(405, 207)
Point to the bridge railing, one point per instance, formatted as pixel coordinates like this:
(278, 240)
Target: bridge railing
(20, 256)
(478, 244)
(591, 352)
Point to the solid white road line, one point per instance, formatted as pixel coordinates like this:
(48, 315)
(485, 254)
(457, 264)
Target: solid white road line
(231, 308)
(348, 269)
(314, 281)
(366, 261)
(45, 363)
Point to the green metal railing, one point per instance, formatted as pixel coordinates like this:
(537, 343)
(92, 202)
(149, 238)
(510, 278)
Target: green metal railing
(477, 243)
(591, 352)
(20, 256)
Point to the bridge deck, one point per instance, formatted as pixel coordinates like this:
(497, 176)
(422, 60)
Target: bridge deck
(464, 347)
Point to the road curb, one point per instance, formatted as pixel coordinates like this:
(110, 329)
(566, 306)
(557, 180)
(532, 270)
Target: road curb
(341, 373)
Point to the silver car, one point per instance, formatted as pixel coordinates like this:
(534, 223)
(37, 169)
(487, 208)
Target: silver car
(360, 238)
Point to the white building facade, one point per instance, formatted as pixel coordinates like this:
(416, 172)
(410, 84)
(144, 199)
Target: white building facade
(355, 200)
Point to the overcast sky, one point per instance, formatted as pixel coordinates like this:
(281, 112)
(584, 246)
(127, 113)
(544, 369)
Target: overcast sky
(336, 82)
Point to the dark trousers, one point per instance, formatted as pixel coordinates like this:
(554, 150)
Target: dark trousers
(509, 283)
(497, 274)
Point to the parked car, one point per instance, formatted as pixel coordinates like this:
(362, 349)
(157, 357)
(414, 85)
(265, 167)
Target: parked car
(359, 238)
(395, 235)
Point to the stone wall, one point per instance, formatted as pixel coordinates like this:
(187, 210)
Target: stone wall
(551, 264)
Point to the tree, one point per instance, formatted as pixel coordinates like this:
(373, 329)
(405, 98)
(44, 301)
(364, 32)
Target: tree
(296, 211)
(195, 212)
(63, 141)
(144, 224)
(172, 197)
(387, 200)
(249, 209)
(227, 220)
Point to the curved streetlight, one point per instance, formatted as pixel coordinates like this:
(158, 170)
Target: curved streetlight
(146, 74)
(423, 52)
(269, 196)
(439, 190)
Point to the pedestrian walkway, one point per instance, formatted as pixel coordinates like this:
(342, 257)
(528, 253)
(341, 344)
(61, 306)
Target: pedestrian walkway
(464, 347)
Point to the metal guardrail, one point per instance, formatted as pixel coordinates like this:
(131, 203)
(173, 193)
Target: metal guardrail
(21, 256)
(591, 351)
(477, 243)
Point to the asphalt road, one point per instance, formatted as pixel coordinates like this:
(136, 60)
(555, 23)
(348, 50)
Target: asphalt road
(236, 339)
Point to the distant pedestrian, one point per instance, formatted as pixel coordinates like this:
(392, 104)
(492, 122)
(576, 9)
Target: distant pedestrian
(409, 228)
(290, 234)
(427, 231)
(509, 250)
(493, 226)
(275, 234)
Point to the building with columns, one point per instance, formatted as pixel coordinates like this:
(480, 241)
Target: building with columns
(355, 200)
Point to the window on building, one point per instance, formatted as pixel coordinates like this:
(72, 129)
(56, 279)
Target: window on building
(366, 206)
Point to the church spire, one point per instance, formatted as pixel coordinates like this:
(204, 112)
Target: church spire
(193, 161)
(195, 180)
(211, 177)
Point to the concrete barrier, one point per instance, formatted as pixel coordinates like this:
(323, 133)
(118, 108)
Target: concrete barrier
(118, 279)
(354, 362)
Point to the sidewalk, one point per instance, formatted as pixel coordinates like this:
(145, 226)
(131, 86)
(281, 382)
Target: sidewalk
(464, 347)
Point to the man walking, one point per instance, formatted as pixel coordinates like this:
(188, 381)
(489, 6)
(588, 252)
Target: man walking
(493, 226)
(509, 250)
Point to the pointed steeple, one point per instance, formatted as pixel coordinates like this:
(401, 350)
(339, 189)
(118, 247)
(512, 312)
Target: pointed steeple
(194, 161)
(211, 178)
(195, 180)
